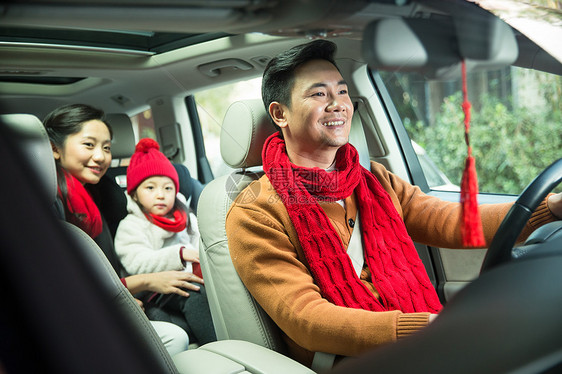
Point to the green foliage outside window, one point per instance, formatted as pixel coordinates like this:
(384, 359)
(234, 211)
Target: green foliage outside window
(511, 143)
(510, 147)
(513, 140)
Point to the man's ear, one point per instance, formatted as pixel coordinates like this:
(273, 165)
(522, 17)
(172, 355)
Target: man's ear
(278, 114)
(56, 153)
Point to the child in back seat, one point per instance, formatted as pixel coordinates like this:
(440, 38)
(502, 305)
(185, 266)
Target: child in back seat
(160, 233)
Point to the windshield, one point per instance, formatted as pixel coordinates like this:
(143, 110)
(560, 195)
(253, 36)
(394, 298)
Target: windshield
(515, 126)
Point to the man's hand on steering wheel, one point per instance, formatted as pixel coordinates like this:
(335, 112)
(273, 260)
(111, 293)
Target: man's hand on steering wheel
(500, 250)
(554, 203)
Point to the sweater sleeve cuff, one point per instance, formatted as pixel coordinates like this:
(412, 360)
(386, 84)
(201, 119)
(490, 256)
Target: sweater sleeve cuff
(187, 266)
(541, 215)
(181, 256)
(408, 323)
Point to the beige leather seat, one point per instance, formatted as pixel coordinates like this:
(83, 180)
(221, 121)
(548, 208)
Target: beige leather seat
(236, 315)
(223, 357)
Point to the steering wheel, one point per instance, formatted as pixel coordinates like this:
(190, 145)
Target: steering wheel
(501, 247)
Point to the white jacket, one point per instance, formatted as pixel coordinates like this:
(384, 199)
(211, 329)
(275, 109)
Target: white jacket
(144, 247)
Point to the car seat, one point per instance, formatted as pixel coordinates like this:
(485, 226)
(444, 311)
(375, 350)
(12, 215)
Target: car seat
(122, 146)
(29, 135)
(236, 315)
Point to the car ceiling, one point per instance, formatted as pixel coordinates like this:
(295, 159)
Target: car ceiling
(122, 79)
(293, 17)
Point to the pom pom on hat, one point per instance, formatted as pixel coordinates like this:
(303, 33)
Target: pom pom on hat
(146, 144)
(148, 161)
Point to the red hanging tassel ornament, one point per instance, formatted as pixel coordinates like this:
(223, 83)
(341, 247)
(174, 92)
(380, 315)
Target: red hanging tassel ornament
(471, 224)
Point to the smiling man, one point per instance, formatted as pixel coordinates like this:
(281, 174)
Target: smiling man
(319, 97)
(326, 248)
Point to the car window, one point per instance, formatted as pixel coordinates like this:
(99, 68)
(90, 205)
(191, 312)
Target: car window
(211, 107)
(515, 125)
(143, 125)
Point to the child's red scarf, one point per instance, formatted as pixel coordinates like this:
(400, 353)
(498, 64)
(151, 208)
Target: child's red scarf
(84, 212)
(396, 269)
(177, 224)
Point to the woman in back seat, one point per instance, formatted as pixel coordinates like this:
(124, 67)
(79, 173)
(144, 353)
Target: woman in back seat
(81, 143)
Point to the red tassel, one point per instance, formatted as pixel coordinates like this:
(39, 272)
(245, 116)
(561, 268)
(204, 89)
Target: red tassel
(471, 224)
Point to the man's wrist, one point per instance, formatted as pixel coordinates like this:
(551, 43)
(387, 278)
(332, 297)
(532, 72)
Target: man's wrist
(554, 204)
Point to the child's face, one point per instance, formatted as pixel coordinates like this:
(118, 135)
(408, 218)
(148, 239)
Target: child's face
(157, 195)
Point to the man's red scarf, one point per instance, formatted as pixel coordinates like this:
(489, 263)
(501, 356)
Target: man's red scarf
(396, 269)
(84, 212)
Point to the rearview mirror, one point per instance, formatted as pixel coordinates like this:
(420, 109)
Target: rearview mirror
(435, 47)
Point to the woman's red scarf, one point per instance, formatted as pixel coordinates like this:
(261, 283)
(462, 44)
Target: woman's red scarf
(84, 212)
(396, 269)
(177, 224)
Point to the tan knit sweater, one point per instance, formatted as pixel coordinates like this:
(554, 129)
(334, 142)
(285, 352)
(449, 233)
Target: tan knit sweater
(266, 253)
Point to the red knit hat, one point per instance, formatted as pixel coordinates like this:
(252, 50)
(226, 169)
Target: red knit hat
(148, 161)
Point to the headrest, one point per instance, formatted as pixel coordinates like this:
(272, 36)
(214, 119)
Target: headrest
(30, 136)
(245, 128)
(123, 144)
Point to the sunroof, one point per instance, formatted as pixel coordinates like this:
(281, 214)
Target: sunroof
(150, 42)
(39, 80)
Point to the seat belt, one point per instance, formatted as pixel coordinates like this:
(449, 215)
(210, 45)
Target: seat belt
(358, 140)
(322, 361)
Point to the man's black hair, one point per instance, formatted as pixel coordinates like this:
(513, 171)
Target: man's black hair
(279, 74)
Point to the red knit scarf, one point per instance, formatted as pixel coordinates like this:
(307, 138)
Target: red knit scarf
(177, 224)
(396, 269)
(84, 212)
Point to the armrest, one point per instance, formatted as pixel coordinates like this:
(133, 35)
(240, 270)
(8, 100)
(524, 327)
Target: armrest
(236, 356)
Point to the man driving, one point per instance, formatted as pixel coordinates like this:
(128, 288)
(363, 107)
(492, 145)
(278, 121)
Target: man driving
(327, 247)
